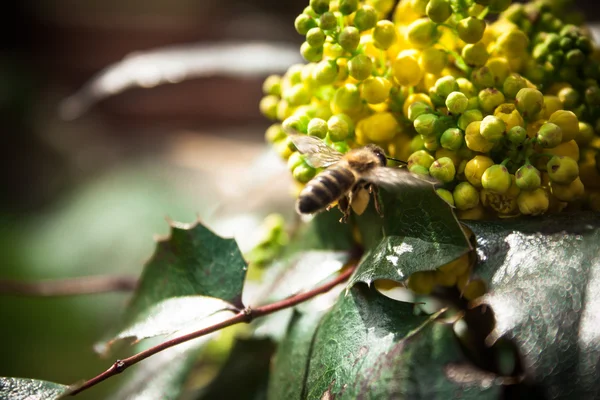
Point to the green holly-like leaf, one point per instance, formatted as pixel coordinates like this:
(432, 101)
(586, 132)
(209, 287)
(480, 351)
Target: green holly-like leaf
(544, 279)
(290, 362)
(30, 389)
(419, 233)
(369, 346)
(192, 275)
(163, 377)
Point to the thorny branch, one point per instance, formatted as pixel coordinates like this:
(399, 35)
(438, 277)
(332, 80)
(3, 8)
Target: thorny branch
(243, 316)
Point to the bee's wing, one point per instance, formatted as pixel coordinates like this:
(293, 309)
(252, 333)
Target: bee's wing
(398, 178)
(317, 153)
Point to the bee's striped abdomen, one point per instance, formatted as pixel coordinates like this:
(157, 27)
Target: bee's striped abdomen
(324, 189)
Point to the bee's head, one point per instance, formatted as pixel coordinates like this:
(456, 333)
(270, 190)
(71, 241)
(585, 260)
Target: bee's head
(379, 153)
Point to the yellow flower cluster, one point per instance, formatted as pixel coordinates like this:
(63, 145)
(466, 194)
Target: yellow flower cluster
(504, 114)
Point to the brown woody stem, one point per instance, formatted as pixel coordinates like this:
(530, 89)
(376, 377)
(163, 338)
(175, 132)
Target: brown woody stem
(68, 287)
(243, 316)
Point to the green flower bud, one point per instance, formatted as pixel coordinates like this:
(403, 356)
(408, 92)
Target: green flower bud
(496, 179)
(347, 7)
(466, 87)
(549, 135)
(304, 173)
(445, 85)
(467, 117)
(419, 169)
(346, 98)
(297, 95)
(569, 97)
(315, 37)
(482, 78)
(512, 84)
(272, 85)
(360, 67)
(475, 55)
(417, 144)
(457, 103)
(342, 147)
(295, 124)
(384, 34)
(319, 6)
(533, 202)
(422, 33)
(268, 106)
(443, 170)
(349, 38)
(584, 44)
(304, 23)
(529, 102)
(452, 139)
(528, 177)
(446, 195)
(325, 72)
(317, 127)
(430, 143)
(575, 58)
(438, 10)
(274, 133)
(517, 135)
(465, 196)
(489, 99)
(416, 109)
(295, 160)
(592, 96)
(470, 29)
(365, 18)
(338, 128)
(568, 123)
(562, 170)
(426, 124)
(497, 6)
(492, 128)
(566, 43)
(311, 54)
(586, 133)
(422, 158)
(328, 21)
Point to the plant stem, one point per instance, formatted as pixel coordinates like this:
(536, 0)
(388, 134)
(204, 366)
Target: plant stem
(69, 287)
(243, 316)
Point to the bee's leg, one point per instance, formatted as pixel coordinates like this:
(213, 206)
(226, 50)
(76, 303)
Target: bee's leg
(376, 200)
(344, 207)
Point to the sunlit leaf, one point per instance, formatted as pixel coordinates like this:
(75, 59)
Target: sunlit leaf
(30, 389)
(173, 315)
(419, 232)
(178, 63)
(164, 376)
(192, 262)
(544, 284)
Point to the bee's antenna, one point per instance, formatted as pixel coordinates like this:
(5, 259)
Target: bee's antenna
(398, 161)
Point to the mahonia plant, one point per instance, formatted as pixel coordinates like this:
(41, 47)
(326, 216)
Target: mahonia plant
(505, 114)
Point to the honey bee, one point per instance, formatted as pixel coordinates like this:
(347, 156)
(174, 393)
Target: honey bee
(349, 178)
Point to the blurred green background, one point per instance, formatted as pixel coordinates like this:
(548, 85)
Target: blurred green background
(87, 197)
